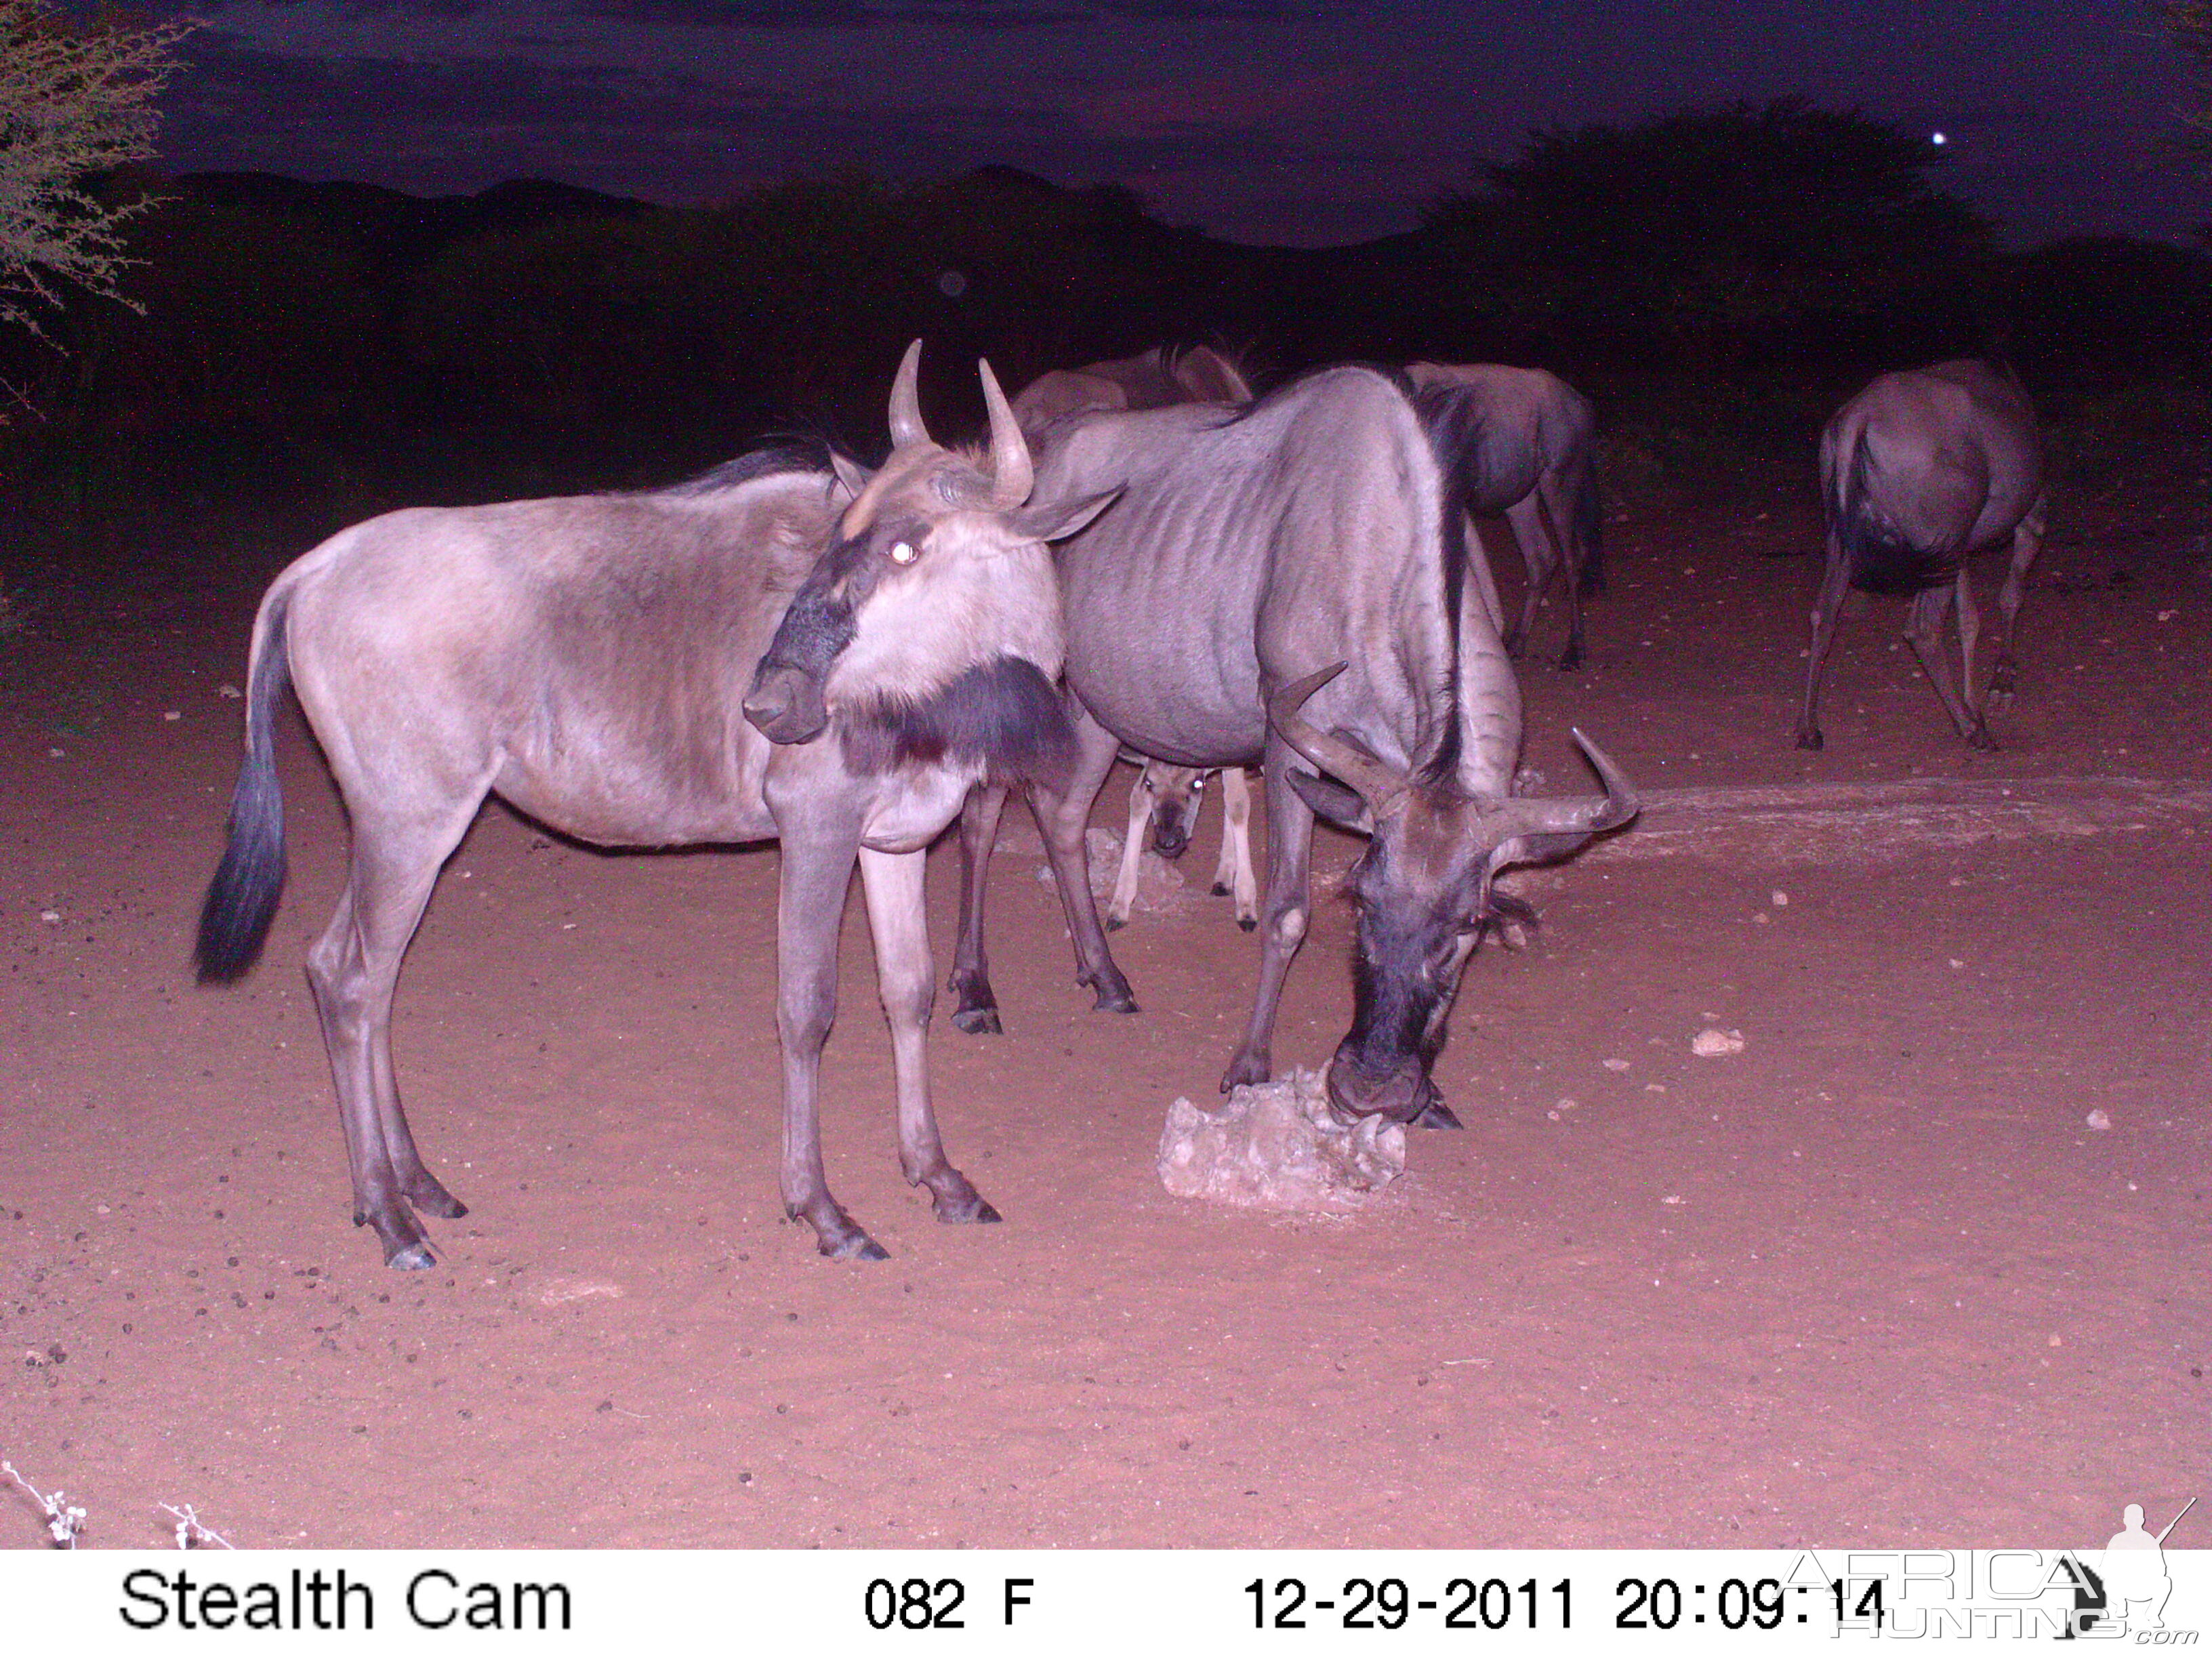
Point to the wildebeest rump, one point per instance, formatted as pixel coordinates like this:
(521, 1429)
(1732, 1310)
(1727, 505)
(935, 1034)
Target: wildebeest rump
(1918, 472)
(1156, 379)
(588, 661)
(1526, 445)
(1249, 554)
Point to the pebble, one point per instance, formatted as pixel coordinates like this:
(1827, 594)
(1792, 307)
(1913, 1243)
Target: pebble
(1712, 1042)
(2098, 1120)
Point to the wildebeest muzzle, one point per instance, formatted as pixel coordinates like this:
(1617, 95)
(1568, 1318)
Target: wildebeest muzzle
(786, 704)
(1399, 1095)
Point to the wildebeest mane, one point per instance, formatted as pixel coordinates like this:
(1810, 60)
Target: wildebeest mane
(1004, 713)
(1448, 432)
(783, 453)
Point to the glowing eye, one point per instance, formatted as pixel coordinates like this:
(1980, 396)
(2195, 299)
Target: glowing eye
(902, 553)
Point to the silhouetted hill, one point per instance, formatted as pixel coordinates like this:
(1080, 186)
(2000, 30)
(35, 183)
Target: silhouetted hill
(389, 229)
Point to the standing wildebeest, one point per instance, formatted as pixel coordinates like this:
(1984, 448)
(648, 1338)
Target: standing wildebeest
(1530, 454)
(1151, 380)
(1919, 472)
(1253, 556)
(1164, 800)
(585, 660)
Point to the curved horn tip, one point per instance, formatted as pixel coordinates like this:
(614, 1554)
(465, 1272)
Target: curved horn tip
(906, 426)
(1012, 473)
(1620, 789)
(1299, 690)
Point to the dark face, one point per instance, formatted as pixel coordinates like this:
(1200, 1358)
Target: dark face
(1174, 819)
(1421, 889)
(787, 700)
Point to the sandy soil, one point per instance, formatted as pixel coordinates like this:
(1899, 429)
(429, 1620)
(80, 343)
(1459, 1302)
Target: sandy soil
(1874, 1279)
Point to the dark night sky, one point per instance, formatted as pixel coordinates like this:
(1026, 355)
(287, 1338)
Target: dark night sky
(1264, 120)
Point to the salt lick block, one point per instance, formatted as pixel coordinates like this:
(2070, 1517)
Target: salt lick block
(1279, 1146)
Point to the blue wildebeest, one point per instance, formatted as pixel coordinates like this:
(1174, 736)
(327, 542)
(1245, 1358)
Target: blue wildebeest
(587, 660)
(1165, 799)
(1288, 583)
(1151, 380)
(1919, 472)
(1528, 450)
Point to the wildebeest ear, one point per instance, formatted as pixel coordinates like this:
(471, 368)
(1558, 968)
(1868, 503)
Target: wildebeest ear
(1331, 801)
(1054, 521)
(850, 473)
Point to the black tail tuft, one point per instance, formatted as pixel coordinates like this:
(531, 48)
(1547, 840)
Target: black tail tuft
(1882, 560)
(242, 899)
(1588, 510)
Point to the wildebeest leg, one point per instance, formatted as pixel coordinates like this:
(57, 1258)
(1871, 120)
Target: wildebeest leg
(1290, 847)
(1233, 873)
(809, 906)
(1062, 819)
(1536, 556)
(352, 970)
(2026, 543)
(1970, 629)
(1544, 512)
(1133, 851)
(905, 976)
(978, 1012)
(1835, 578)
(1924, 627)
(1486, 579)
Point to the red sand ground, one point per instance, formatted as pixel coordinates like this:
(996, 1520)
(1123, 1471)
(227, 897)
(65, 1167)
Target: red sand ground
(1873, 1280)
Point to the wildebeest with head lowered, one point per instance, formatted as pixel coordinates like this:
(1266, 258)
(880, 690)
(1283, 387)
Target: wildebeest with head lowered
(588, 660)
(1920, 471)
(1526, 444)
(1289, 583)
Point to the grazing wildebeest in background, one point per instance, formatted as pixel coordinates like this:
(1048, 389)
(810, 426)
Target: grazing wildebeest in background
(1151, 380)
(1919, 472)
(1164, 800)
(1527, 448)
(1252, 555)
(585, 660)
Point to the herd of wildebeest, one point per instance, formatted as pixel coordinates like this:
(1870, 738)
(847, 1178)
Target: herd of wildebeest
(1143, 560)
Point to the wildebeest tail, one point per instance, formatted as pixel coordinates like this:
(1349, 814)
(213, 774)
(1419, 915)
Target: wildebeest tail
(242, 899)
(1587, 508)
(1882, 558)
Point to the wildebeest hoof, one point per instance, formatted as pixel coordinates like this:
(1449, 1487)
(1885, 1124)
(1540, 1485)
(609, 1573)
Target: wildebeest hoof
(1438, 1116)
(1110, 994)
(1248, 923)
(1115, 924)
(412, 1258)
(1811, 740)
(1570, 660)
(855, 1246)
(974, 1210)
(1979, 737)
(978, 1022)
(431, 1199)
(1245, 1069)
(1220, 889)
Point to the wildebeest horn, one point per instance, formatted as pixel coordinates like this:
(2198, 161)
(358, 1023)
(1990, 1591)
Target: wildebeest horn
(1585, 814)
(1010, 472)
(906, 401)
(1378, 786)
